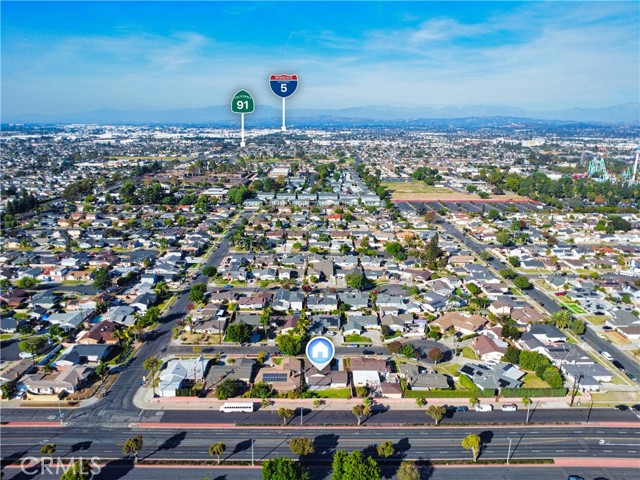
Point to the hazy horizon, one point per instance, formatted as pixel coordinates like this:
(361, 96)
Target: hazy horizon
(63, 58)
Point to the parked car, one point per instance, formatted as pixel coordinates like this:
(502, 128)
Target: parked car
(367, 352)
(618, 365)
(606, 355)
(630, 375)
(24, 355)
(462, 408)
(509, 407)
(483, 407)
(574, 477)
(560, 294)
(636, 407)
(621, 407)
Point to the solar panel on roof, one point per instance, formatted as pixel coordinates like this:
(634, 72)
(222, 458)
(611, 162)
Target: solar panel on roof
(274, 377)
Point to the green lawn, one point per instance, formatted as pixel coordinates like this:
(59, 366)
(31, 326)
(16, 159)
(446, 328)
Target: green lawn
(334, 393)
(597, 319)
(357, 339)
(576, 309)
(5, 336)
(531, 380)
(448, 369)
(468, 353)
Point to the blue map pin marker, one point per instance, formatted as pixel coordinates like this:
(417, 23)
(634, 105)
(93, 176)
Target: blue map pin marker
(320, 352)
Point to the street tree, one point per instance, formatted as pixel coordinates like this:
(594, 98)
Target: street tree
(301, 446)
(217, 449)
(436, 412)
(358, 412)
(281, 468)
(408, 471)
(209, 271)
(48, 449)
(133, 446)
(79, 470)
(101, 279)
(285, 414)
(385, 449)
(197, 292)
(472, 442)
(354, 466)
(151, 364)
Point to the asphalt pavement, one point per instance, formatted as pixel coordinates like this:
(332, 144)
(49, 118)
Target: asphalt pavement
(432, 472)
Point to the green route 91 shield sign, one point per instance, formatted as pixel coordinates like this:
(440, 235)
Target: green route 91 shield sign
(242, 102)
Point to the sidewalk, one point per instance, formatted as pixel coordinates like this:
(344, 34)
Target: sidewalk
(144, 400)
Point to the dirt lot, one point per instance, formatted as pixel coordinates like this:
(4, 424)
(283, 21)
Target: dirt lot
(421, 192)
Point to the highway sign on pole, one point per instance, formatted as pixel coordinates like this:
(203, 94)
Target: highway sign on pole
(242, 102)
(283, 86)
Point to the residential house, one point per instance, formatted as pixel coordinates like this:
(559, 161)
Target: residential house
(494, 377)
(178, 374)
(463, 324)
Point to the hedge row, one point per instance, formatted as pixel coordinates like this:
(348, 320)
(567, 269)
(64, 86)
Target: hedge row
(436, 393)
(533, 392)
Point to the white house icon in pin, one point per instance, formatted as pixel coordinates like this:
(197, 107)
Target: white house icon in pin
(320, 351)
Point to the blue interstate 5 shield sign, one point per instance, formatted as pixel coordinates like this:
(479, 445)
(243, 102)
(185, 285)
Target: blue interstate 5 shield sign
(283, 85)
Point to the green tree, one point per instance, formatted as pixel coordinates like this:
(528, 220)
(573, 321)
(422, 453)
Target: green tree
(79, 470)
(515, 262)
(227, 388)
(433, 251)
(198, 292)
(473, 289)
(239, 332)
(289, 344)
(209, 271)
(552, 377)
(26, 282)
(578, 327)
(354, 467)
(408, 471)
(281, 468)
(395, 250)
(48, 449)
(217, 449)
(301, 446)
(133, 446)
(355, 280)
(512, 355)
(408, 351)
(237, 195)
(385, 449)
(161, 289)
(472, 442)
(561, 319)
(152, 364)
(436, 412)
(261, 390)
(522, 283)
(285, 414)
(358, 412)
(503, 238)
(101, 279)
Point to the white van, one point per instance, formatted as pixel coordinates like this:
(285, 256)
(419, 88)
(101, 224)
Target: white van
(607, 355)
(483, 407)
(509, 407)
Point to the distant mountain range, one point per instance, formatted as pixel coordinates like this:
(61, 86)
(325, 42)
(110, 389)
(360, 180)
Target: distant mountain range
(628, 113)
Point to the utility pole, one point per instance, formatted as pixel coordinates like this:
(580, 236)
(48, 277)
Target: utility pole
(60, 412)
(528, 408)
(252, 457)
(509, 452)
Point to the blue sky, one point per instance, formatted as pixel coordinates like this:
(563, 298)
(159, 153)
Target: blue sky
(81, 56)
